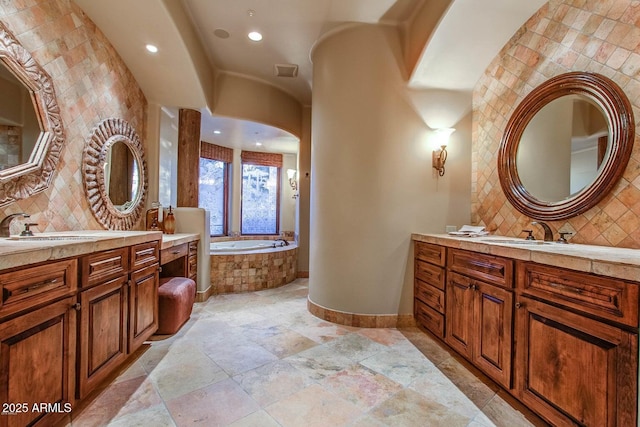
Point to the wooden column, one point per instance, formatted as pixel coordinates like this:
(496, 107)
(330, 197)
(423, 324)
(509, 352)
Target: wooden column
(188, 157)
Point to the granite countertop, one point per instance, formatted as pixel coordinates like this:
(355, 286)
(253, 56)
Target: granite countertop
(16, 251)
(171, 240)
(621, 263)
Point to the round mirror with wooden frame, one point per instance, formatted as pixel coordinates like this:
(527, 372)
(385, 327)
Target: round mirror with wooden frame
(610, 100)
(114, 173)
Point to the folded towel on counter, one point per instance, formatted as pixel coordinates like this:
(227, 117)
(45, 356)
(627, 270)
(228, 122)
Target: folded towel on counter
(470, 231)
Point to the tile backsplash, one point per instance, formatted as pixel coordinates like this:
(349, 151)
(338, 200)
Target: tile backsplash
(570, 35)
(91, 83)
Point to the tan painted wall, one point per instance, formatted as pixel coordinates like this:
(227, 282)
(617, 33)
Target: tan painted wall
(91, 83)
(597, 36)
(372, 182)
(241, 97)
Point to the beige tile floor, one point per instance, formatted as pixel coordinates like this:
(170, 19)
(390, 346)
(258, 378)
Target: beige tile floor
(260, 359)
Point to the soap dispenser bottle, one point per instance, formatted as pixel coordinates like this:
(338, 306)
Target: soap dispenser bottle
(170, 222)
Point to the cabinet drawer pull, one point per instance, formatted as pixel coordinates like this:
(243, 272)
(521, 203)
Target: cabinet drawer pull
(175, 252)
(485, 265)
(565, 288)
(37, 286)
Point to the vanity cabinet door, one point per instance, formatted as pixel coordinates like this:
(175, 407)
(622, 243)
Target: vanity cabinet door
(493, 320)
(479, 325)
(103, 332)
(37, 353)
(574, 370)
(459, 314)
(143, 305)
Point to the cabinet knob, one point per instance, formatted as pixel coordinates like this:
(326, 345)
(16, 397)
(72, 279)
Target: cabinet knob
(518, 305)
(77, 306)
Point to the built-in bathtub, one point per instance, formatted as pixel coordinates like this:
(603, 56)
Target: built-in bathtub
(251, 265)
(244, 245)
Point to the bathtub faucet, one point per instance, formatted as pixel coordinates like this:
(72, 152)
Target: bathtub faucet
(284, 242)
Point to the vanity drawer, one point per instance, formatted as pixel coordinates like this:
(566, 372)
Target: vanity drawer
(32, 286)
(429, 295)
(604, 297)
(174, 252)
(433, 254)
(145, 254)
(102, 266)
(429, 318)
(489, 268)
(430, 274)
(193, 248)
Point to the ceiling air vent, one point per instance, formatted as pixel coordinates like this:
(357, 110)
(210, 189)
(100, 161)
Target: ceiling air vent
(286, 70)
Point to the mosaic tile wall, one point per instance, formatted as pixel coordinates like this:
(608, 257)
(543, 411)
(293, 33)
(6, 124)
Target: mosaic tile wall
(571, 35)
(91, 83)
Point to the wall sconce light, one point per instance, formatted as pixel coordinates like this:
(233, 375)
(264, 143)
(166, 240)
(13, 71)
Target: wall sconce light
(439, 156)
(291, 174)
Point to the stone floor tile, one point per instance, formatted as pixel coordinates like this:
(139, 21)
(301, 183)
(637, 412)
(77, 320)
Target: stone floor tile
(313, 407)
(361, 386)
(219, 404)
(273, 381)
(408, 409)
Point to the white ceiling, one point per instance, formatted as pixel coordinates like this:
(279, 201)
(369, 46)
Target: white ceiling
(467, 38)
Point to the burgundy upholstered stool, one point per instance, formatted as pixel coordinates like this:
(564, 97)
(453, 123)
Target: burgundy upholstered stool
(175, 302)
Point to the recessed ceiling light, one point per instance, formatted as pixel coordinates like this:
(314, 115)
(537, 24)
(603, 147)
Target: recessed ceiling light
(152, 48)
(255, 36)
(217, 132)
(258, 144)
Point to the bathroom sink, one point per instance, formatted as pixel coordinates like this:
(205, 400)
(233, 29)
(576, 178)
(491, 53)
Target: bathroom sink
(519, 242)
(48, 238)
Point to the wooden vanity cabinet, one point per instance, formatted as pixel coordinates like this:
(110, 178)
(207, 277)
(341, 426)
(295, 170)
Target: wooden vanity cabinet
(577, 362)
(103, 323)
(429, 287)
(479, 314)
(119, 309)
(143, 305)
(38, 342)
(563, 342)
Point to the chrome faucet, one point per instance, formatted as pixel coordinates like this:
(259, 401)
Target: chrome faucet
(548, 234)
(6, 223)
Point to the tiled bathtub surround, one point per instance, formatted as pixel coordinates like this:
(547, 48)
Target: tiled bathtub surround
(253, 270)
(568, 35)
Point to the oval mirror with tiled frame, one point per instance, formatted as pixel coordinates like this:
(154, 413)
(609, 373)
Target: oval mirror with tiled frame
(114, 173)
(32, 172)
(612, 102)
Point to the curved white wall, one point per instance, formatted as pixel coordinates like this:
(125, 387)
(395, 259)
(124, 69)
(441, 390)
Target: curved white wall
(371, 178)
